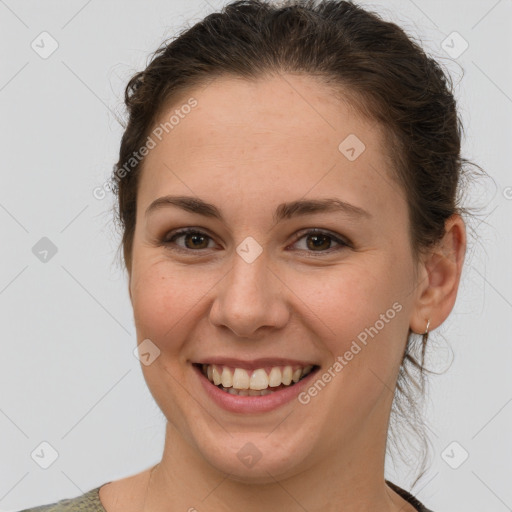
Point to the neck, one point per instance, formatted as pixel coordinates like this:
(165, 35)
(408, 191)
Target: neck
(351, 481)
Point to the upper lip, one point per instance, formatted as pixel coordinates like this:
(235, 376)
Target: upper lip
(254, 364)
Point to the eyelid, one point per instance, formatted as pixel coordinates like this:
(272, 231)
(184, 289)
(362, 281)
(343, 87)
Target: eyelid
(184, 231)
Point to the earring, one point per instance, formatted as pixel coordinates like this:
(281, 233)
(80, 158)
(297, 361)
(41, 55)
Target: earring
(426, 330)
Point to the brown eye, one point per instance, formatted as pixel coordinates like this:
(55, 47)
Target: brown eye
(192, 240)
(319, 241)
(195, 241)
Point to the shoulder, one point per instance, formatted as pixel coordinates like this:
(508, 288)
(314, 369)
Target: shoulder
(124, 495)
(88, 502)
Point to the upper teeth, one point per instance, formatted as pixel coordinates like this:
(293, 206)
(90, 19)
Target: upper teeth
(239, 378)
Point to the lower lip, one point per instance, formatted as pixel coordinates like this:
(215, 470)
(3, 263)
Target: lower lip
(253, 404)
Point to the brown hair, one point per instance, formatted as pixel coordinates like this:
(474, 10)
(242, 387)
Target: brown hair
(372, 64)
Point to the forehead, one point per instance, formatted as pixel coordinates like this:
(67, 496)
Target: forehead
(283, 108)
(285, 134)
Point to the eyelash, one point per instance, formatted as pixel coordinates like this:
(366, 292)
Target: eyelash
(192, 231)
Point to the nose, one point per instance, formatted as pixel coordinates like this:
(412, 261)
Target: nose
(250, 300)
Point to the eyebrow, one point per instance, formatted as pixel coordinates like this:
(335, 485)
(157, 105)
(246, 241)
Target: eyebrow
(283, 211)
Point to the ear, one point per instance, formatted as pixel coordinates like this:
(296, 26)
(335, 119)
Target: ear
(439, 277)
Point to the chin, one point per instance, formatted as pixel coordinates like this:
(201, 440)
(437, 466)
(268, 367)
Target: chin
(254, 458)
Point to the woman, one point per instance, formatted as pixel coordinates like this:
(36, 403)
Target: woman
(287, 188)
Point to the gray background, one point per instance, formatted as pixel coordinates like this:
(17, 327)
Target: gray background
(68, 375)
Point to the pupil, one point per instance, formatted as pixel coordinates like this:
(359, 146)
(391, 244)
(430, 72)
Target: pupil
(319, 241)
(195, 238)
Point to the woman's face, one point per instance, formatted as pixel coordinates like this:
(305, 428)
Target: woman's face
(256, 290)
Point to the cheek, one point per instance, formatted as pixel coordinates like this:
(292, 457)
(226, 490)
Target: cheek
(364, 322)
(358, 311)
(162, 297)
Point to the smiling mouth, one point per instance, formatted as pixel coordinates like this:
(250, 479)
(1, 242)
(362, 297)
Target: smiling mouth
(259, 382)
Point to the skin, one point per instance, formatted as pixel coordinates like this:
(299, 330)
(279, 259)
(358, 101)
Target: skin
(247, 147)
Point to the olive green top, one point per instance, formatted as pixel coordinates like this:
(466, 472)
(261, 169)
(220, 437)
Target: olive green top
(90, 502)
